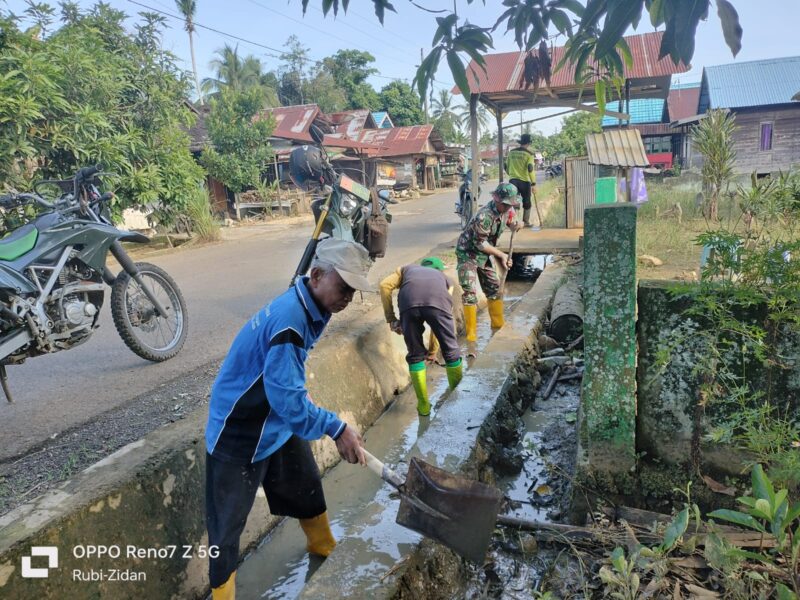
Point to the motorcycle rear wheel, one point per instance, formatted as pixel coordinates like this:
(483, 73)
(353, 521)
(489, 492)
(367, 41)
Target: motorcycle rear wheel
(466, 212)
(153, 337)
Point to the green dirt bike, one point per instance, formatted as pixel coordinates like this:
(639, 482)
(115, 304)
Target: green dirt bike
(53, 276)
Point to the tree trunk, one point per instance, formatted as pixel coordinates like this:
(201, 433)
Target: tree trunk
(194, 69)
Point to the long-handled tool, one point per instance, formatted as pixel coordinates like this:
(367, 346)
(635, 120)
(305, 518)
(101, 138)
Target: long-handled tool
(505, 268)
(455, 511)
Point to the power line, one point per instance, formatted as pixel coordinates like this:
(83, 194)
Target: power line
(281, 53)
(276, 52)
(317, 29)
(361, 31)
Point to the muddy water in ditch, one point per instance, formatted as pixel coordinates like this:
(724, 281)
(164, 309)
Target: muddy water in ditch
(516, 565)
(280, 566)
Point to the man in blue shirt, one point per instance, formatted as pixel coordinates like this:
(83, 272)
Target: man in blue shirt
(261, 415)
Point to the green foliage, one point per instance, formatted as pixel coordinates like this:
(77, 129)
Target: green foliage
(571, 138)
(746, 310)
(402, 103)
(450, 41)
(768, 512)
(90, 92)
(233, 71)
(713, 137)
(240, 149)
(350, 70)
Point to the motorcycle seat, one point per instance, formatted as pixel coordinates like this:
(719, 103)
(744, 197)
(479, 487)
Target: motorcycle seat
(18, 242)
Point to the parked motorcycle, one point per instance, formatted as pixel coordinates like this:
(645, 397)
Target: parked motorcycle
(464, 206)
(344, 209)
(553, 171)
(53, 276)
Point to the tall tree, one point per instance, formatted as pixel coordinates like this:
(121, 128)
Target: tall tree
(66, 101)
(350, 70)
(239, 152)
(445, 118)
(323, 91)
(402, 103)
(233, 71)
(293, 72)
(188, 8)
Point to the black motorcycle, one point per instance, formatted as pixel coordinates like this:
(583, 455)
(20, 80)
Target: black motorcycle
(53, 276)
(553, 171)
(343, 207)
(465, 207)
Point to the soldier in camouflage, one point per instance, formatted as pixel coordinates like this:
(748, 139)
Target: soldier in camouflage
(475, 245)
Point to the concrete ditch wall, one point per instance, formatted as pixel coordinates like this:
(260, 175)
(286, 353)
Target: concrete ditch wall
(667, 418)
(148, 496)
(460, 439)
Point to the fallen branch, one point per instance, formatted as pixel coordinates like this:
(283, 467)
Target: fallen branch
(552, 383)
(574, 343)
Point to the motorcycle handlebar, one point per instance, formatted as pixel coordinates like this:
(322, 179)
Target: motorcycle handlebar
(87, 172)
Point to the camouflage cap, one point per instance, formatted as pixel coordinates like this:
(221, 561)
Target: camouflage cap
(508, 194)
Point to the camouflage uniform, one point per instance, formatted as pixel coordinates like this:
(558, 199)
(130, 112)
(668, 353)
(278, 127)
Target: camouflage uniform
(474, 265)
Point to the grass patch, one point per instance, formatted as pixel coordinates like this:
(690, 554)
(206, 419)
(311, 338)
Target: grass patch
(198, 209)
(551, 200)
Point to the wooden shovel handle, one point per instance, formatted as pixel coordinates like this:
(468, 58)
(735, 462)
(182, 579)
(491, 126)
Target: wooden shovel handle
(382, 471)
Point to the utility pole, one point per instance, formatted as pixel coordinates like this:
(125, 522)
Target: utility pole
(425, 99)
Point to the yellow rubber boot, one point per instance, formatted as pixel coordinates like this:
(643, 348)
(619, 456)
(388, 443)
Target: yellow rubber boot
(318, 535)
(420, 383)
(227, 591)
(454, 373)
(496, 313)
(471, 322)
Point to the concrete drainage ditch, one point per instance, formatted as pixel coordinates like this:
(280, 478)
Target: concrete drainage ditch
(144, 495)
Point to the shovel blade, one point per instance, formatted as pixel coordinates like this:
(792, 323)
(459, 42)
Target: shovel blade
(468, 509)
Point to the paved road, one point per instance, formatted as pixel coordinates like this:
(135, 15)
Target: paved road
(223, 285)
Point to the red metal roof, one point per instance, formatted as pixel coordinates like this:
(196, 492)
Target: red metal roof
(292, 122)
(350, 122)
(682, 102)
(398, 141)
(504, 71)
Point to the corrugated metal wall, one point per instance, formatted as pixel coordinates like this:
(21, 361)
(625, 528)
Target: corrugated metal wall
(579, 178)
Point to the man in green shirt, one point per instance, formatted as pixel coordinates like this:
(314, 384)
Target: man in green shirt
(521, 169)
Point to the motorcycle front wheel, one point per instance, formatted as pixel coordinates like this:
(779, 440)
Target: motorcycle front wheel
(150, 335)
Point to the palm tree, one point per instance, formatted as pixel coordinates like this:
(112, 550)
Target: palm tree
(233, 71)
(187, 8)
(443, 107)
(484, 119)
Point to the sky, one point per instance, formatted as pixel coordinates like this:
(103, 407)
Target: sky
(770, 30)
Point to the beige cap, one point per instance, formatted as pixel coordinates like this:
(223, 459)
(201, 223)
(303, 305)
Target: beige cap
(351, 261)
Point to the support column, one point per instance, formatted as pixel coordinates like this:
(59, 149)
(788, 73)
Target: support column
(499, 116)
(476, 153)
(608, 402)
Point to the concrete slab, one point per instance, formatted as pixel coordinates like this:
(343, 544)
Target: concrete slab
(543, 241)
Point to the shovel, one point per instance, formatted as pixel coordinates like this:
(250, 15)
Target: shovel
(503, 268)
(455, 511)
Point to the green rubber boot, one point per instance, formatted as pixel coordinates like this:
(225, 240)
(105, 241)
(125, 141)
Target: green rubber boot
(454, 373)
(420, 383)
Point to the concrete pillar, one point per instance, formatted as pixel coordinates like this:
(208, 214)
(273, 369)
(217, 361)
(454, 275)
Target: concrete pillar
(608, 402)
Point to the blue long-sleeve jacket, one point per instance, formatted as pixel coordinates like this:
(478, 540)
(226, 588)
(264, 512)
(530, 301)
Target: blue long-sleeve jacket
(259, 398)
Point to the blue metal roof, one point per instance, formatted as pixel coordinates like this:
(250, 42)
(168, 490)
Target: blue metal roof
(754, 83)
(379, 117)
(643, 110)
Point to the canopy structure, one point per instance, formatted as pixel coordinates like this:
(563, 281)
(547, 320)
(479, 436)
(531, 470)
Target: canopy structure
(503, 86)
